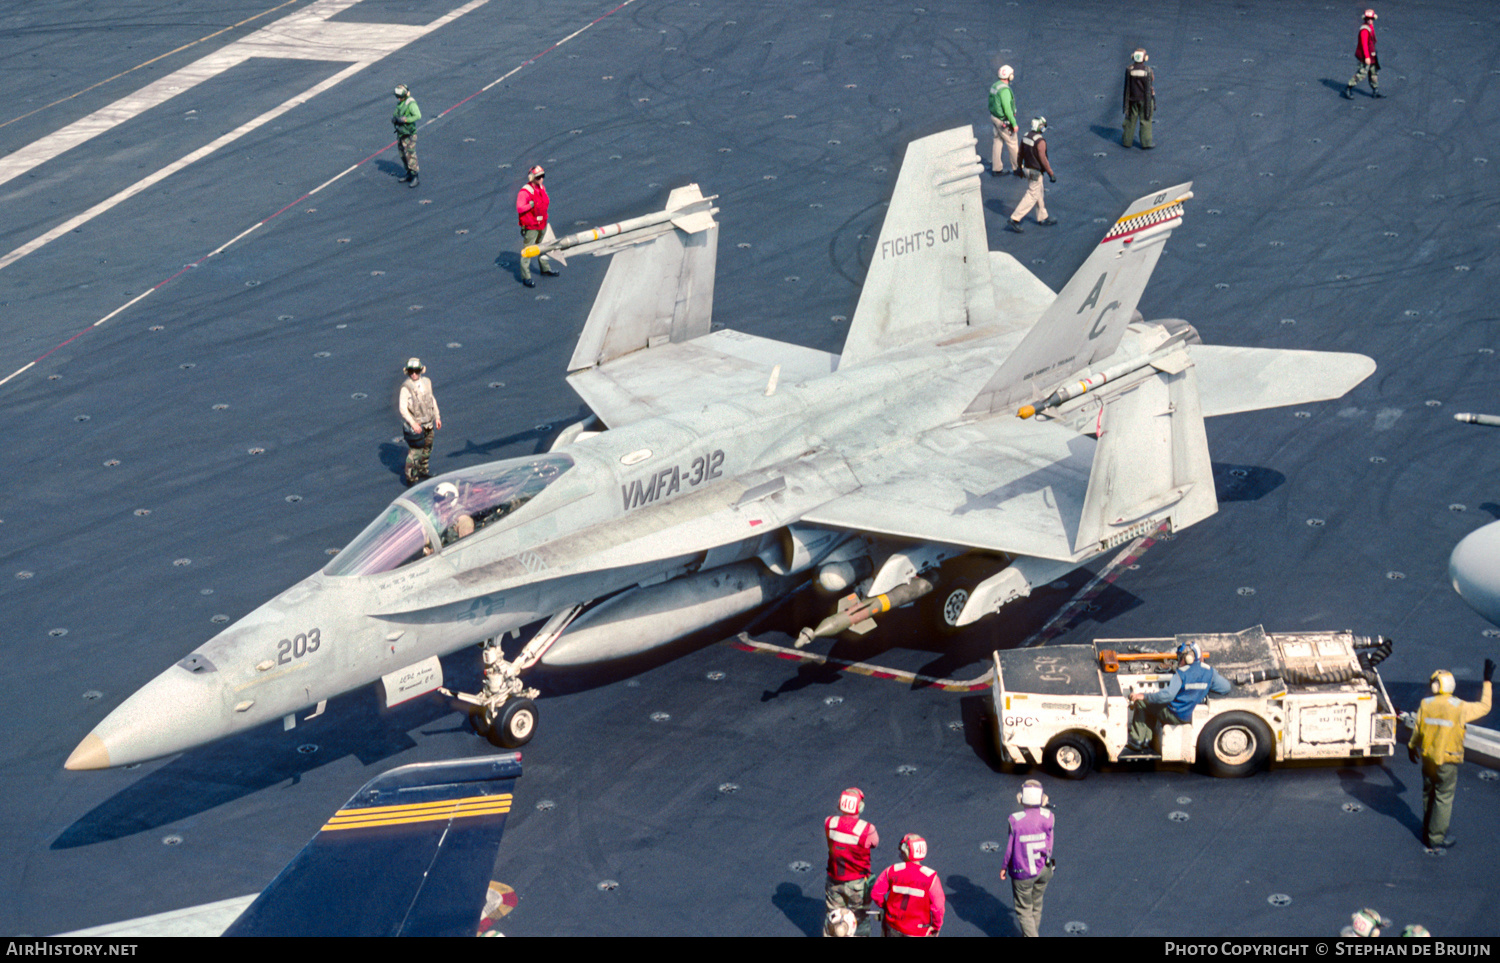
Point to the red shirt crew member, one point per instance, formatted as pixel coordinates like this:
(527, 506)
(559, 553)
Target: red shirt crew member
(910, 894)
(850, 839)
(531, 209)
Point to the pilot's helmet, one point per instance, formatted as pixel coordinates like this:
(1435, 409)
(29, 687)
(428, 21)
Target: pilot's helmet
(445, 491)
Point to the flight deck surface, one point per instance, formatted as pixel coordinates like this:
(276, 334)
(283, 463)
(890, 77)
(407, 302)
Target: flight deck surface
(205, 307)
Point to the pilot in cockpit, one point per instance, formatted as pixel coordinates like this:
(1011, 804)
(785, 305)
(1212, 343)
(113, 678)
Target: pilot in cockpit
(456, 522)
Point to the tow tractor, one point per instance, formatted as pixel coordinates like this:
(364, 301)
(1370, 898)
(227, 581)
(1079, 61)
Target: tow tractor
(1302, 695)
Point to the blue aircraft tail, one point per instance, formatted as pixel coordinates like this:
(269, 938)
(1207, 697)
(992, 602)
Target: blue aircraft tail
(411, 854)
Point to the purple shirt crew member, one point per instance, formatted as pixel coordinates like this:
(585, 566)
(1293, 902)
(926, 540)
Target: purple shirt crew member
(1028, 856)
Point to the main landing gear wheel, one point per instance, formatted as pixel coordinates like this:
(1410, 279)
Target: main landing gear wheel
(948, 602)
(1071, 757)
(515, 726)
(1234, 744)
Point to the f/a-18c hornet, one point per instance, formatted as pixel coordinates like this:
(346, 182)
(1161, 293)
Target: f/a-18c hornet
(972, 411)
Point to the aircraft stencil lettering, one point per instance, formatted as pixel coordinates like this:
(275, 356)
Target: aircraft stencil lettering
(917, 241)
(948, 345)
(304, 643)
(669, 481)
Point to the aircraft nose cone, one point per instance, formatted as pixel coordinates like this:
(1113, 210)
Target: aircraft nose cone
(1475, 570)
(175, 711)
(90, 754)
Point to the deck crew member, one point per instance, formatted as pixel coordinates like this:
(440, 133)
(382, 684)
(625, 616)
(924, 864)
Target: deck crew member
(850, 839)
(420, 418)
(1174, 703)
(1437, 741)
(531, 208)
(1369, 60)
(1034, 162)
(1028, 856)
(405, 121)
(910, 894)
(1140, 99)
(1003, 119)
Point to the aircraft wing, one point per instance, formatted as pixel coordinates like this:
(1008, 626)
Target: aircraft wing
(683, 375)
(411, 854)
(1001, 484)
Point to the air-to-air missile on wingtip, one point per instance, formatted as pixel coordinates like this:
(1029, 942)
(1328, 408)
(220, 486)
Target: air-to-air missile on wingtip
(734, 467)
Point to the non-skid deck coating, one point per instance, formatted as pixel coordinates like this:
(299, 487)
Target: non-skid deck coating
(205, 447)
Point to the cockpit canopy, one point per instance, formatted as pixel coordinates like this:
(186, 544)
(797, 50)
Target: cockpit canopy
(440, 511)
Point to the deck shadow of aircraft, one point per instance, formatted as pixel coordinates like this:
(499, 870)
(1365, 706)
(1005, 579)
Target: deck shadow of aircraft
(1244, 483)
(1108, 133)
(356, 724)
(542, 436)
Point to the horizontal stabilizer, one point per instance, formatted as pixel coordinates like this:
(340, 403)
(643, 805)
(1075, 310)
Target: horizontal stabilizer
(1022, 296)
(688, 375)
(411, 854)
(1247, 379)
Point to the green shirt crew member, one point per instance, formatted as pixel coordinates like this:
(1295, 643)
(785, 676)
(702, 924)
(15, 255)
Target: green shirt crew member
(405, 121)
(1003, 119)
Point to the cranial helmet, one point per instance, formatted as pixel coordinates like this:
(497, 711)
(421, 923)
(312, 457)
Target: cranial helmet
(1442, 682)
(1370, 13)
(402, 90)
(914, 847)
(415, 364)
(1139, 56)
(1039, 124)
(535, 172)
(851, 801)
(1031, 794)
(1189, 652)
(1367, 922)
(1006, 72)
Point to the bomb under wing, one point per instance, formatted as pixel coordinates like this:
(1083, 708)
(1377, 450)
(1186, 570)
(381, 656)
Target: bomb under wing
(733, 468)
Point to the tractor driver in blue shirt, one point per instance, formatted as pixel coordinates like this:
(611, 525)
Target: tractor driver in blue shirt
(1173, 704)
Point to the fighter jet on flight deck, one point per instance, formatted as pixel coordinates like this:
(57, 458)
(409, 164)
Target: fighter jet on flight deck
(972, 411)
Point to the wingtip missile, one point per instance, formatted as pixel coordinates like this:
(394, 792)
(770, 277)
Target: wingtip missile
(1472, 419)
(687, 210)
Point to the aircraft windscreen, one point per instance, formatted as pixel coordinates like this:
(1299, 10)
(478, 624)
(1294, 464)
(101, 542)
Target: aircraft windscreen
(463, 502)
(392, 540)
(457, 505)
